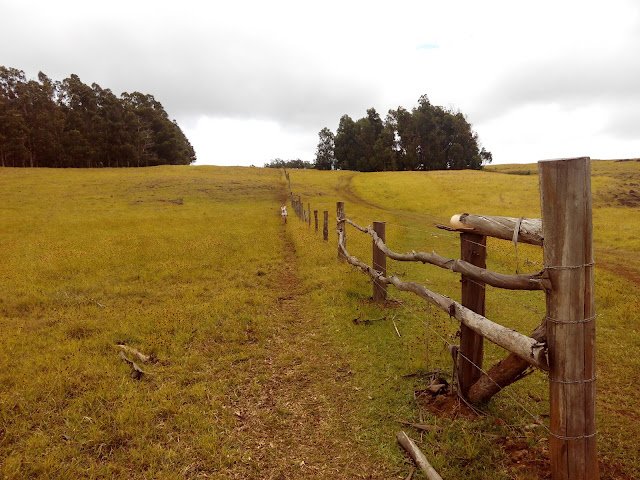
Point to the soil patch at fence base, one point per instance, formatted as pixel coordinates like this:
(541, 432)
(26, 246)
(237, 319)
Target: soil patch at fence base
(445, 405)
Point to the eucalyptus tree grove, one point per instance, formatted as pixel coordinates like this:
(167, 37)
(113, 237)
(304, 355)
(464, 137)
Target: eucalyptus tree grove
(428, 137)
(69, 124)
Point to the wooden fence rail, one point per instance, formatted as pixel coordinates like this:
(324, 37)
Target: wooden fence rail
(564, 342)
(525, 347)
(532, 281)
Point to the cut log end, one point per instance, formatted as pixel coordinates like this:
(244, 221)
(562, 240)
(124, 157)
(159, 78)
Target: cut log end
(456, 222)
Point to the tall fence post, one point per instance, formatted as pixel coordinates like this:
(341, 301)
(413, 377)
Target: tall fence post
(565, 193)
(341, 229)
(325, 228)
(473, 250)
(315, 216)
(379, 264)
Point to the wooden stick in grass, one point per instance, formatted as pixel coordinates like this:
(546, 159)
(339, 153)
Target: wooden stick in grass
(141, 356)
(418, 457)
(136, 371)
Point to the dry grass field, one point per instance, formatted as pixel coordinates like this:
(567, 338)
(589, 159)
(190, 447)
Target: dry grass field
(263, 363)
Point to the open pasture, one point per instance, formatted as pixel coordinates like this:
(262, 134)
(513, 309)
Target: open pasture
(258, 368)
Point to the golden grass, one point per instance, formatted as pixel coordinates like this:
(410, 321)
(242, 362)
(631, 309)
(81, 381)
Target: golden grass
(260, 370)
(410, 202)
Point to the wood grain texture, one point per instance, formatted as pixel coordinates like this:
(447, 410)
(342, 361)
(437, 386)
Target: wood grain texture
(565, 192)
(529, 231)
(473, 251)
(505, 372)
(341, 228)
(418, 457)
(379, 263)
(325, 227)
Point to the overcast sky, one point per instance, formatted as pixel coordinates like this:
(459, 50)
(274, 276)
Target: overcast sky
(249, 81)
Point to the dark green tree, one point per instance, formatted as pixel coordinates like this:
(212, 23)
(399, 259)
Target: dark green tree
(69, 124)
(346, 144)
(325, 159)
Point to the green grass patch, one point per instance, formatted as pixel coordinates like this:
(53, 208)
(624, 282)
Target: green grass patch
(259, 368)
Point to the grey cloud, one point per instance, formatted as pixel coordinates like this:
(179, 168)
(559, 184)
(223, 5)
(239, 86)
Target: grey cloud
(214, 74)
(197, 72)
(569, 81)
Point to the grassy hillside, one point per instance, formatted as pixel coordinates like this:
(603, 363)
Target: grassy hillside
(258, 368)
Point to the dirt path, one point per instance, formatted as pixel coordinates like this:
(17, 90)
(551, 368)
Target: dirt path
(293, 418)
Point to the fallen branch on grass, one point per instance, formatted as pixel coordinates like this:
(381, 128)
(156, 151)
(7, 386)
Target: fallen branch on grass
(418, 457)
(136, 371)
(367, 321)
(141, 356)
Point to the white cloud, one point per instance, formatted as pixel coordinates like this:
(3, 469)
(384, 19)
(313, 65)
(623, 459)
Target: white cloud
(293, 67)
(228, 141)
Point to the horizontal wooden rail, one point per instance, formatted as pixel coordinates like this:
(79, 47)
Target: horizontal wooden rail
(525, 347)
(531, 281)
(529, 229)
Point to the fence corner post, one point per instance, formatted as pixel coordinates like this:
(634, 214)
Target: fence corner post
(473, 250)
(565, 195)
(379, 264)
(342, 231)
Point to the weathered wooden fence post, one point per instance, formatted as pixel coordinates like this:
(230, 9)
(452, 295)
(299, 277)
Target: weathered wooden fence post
(473, 250)
(379, 264)
(325, 228)
(565, 193)
(315, 216)
(341, 230)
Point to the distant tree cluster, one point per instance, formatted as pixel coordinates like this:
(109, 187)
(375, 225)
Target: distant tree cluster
(297, 163)
(69, 124)
(428, 137)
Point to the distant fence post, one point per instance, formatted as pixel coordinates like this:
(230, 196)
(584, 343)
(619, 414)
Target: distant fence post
(379, 264)
(315, 216)
(565, 193)
(325, 228)
(473, 250)
(309, 210)
(341, 229)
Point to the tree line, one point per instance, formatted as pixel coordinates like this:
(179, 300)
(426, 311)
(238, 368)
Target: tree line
(428, 137)
(47, 123)
(297, 163)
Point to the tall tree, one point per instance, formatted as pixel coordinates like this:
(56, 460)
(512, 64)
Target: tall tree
(346, 144)
(325, 159)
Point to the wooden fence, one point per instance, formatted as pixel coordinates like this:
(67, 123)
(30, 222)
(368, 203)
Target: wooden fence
(562, 345)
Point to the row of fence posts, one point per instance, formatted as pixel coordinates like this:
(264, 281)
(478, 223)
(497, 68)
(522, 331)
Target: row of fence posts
(565, 190)
(305, 215)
